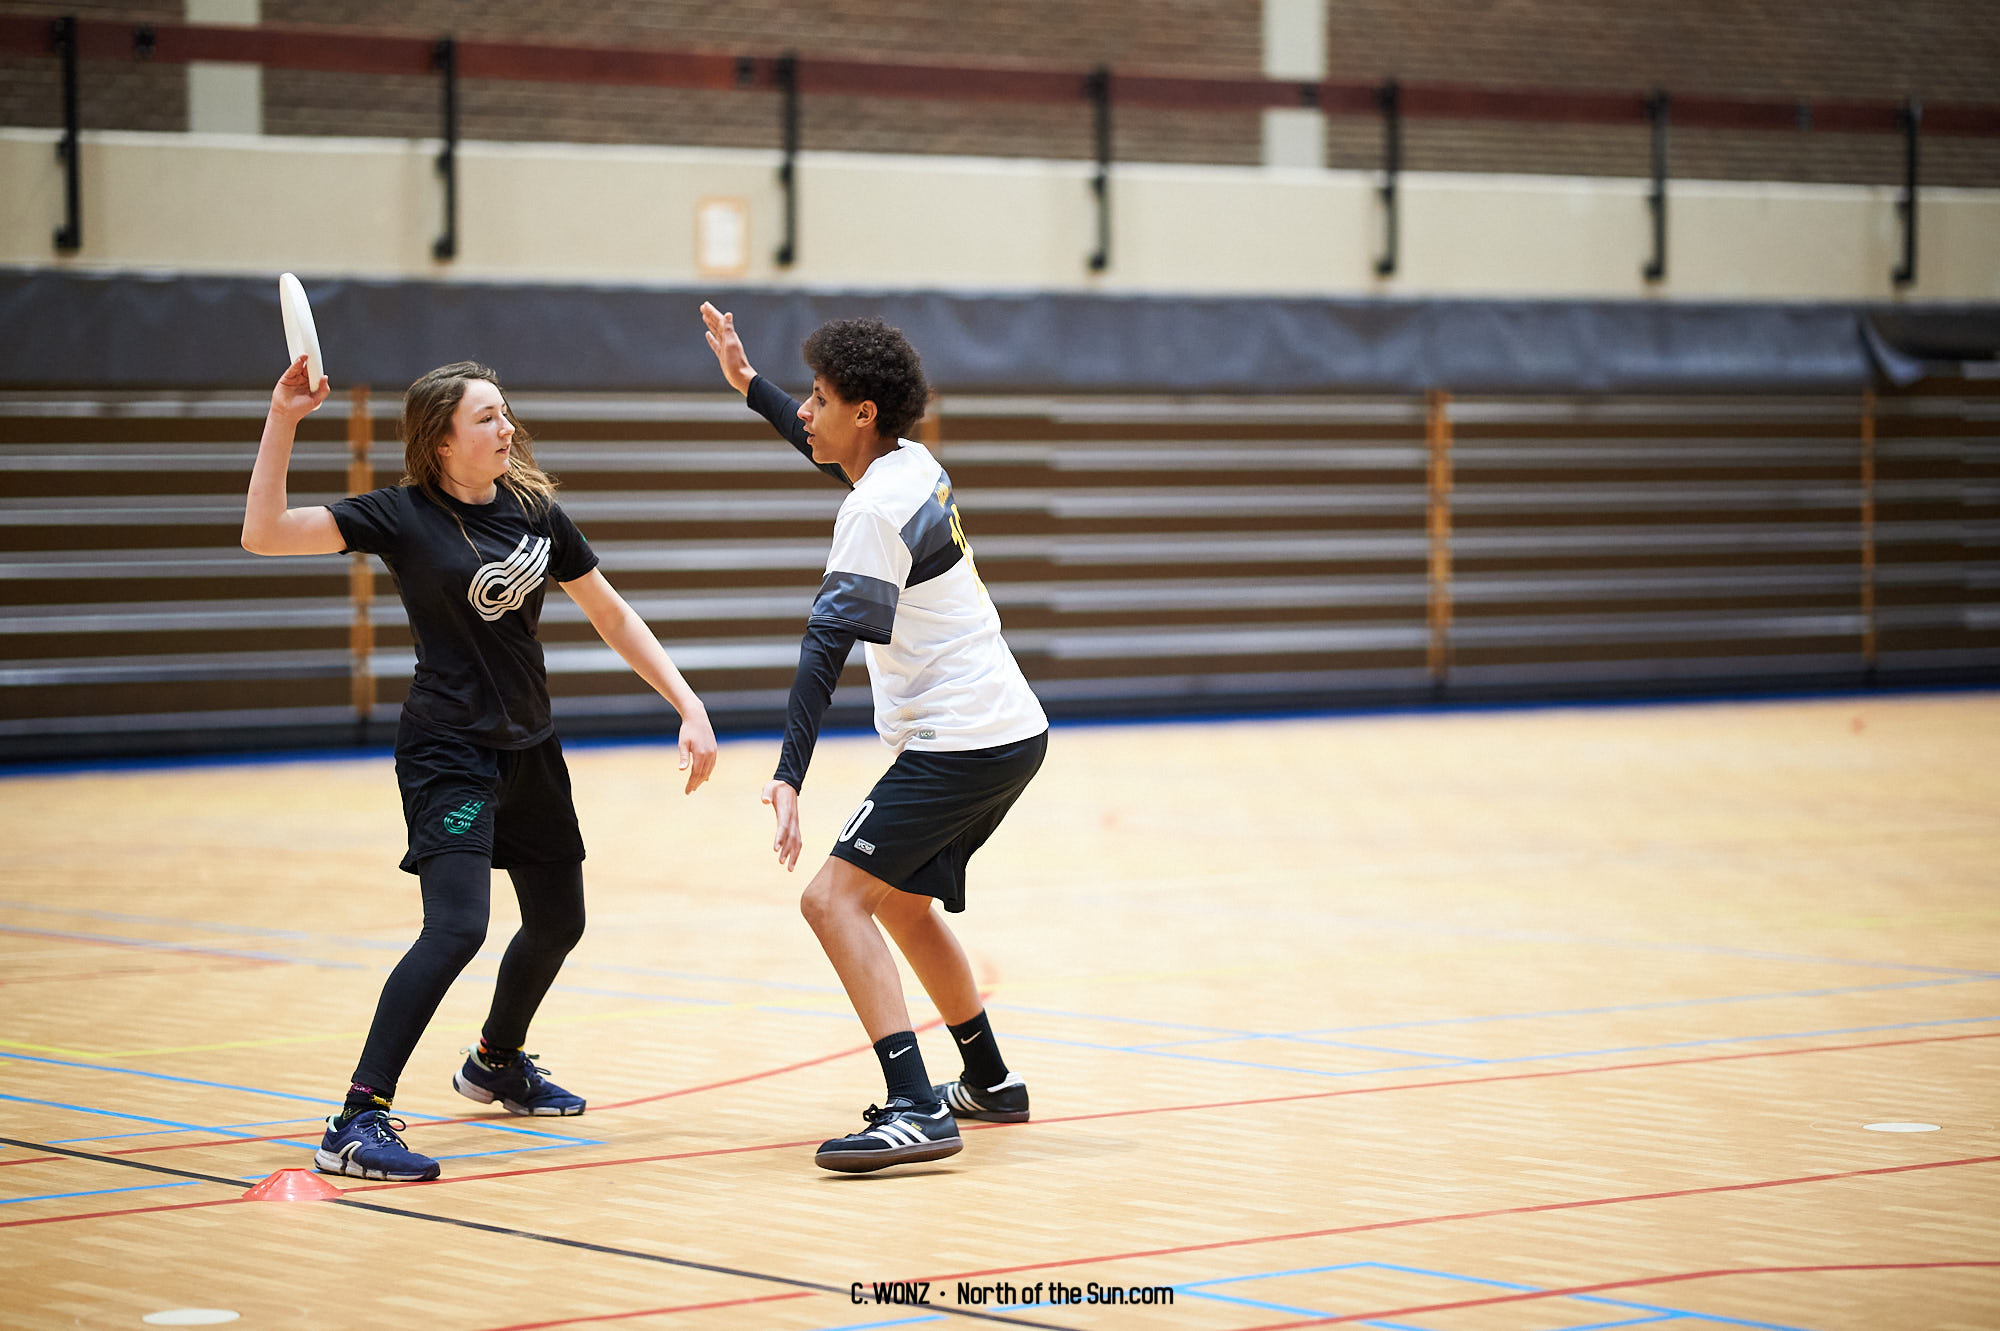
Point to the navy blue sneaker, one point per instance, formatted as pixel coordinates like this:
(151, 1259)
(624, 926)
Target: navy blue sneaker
(519, 1086)
(368, 1147)
(897, 1134)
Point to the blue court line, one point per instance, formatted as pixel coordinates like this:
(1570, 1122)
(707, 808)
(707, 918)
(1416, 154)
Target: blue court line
(715, 979)
(249, 930)
(493, 1125)
(1654, 1312)
(1243, 1062)
(1285, 1308)
(871, 1326)
(96, 1192)
(162, 1076)
(187, 949)
(1447, 1060)
(1741, 1039)
(258, 1090)
(112, 1113)
(167, 1132)
(1158, 1046)
(843, 1015)
(341, 940)
(1383, 925)
(1147, 1052)
(1772, 996)
(491, 953)
(1311, 1035)
(518, 1150)
(174, 1126)
(314, 1137)
(1580, 1298)
(1223, 1033)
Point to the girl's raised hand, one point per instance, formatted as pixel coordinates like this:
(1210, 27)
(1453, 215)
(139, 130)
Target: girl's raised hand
(293, 399)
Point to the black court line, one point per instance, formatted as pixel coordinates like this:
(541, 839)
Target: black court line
(787, 1281)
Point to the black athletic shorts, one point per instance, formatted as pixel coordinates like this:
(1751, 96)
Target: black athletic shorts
(930, 811)
(512, 804)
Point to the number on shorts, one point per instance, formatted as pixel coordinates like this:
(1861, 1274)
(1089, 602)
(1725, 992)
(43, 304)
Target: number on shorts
(854, 823)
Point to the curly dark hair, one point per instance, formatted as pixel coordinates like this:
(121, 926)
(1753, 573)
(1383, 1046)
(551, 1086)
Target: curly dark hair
(867, 360)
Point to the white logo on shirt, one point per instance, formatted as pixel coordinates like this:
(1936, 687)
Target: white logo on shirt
(505, 584)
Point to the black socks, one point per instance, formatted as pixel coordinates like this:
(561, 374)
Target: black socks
(984, 1068)
(494, 1057)
(903, 1069)
(359, 1100)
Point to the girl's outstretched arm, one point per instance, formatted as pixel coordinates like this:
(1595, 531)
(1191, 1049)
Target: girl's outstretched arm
(625, 633)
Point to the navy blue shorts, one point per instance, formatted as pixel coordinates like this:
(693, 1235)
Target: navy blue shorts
(930, 811)
(513, 805)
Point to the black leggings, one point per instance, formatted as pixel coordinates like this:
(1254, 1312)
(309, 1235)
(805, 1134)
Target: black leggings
(457, 886)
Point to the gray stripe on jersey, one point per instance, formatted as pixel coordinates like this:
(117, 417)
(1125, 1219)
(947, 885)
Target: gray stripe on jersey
(863, 605)
(933, 550)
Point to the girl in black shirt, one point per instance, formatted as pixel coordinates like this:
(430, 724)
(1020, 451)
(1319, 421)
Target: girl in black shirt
(472, 535)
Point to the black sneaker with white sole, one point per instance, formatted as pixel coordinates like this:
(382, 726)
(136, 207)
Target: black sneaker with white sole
(898, 1133)
(1005, 1103)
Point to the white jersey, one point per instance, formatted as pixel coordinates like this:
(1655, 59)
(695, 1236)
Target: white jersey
(900, 576)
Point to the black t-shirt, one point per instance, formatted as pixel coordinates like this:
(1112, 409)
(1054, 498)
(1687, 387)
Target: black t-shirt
(472, 577)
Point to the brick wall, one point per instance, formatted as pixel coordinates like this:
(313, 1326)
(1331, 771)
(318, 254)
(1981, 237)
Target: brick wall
(1942, 50)
(110, 95)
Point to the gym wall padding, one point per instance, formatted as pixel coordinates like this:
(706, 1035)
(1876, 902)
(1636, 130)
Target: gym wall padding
(137, 330)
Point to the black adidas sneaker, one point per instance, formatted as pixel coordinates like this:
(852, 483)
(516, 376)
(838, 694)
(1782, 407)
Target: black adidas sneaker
(1005, 1103)
(897, 1134)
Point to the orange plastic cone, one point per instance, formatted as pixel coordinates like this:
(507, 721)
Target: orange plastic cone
(293, 1185)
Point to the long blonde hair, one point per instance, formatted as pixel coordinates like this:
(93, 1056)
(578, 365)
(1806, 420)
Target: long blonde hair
(428, 407)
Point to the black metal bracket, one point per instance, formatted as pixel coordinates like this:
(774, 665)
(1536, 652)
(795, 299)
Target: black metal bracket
(1389, 98)
(1098, 88)
(444, 59)
(1909, 119)
(1657, 110)
(786, 71)
(145, 42)
(69, 236)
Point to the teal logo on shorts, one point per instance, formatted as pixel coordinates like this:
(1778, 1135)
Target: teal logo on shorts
(461, 818)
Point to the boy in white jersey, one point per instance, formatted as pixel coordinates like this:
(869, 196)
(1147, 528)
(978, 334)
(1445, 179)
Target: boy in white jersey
(949, 698)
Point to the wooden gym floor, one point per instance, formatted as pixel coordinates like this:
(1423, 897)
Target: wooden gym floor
(1501, 1021)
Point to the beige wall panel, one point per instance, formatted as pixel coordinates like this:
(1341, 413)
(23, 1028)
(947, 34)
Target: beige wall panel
(531, 212)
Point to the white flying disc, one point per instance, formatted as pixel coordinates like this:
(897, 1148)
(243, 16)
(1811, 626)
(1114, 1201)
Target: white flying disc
(300, 335)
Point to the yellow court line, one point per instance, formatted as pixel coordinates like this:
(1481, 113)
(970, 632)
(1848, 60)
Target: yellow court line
(678, 1011)
(113, 1055)
(50, 1049)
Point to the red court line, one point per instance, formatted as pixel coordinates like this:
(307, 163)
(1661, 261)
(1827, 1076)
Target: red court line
(1525, 1076)
(772, 1146)
(1232, 1104)
(147, 946)
(485, 1118)
(33, 1160)
(1113, 1113)
(136, 970)
(1577, 1290)
(1420, 1220)
(932, 1024)
(592, 1164)
(1541, 1208)
(657, 1312)
(133, 1210)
